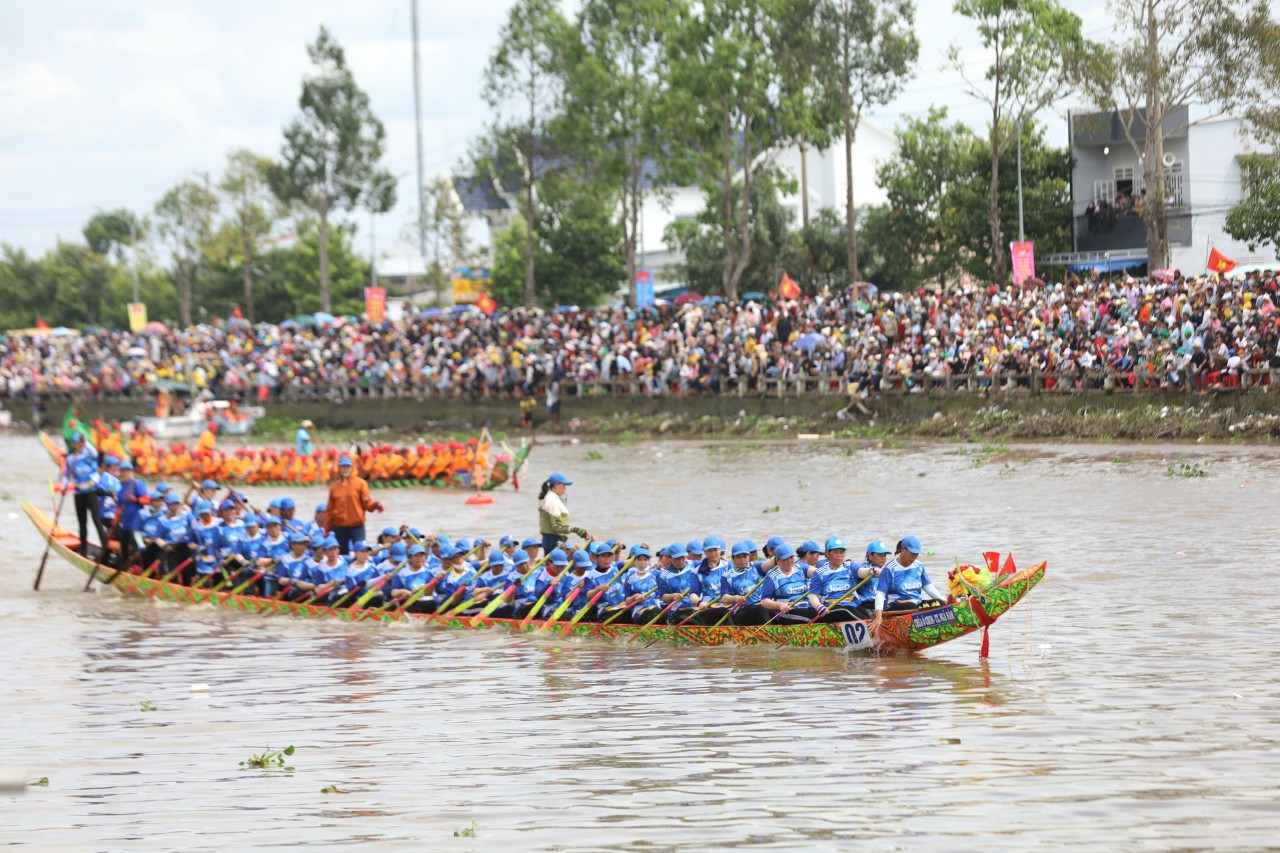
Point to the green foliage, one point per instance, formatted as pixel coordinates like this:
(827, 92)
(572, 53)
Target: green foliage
(594, 456)
(331, 149)
(1255, 219)
(42, 782)
(184, 223)
(771, 509)
(333, 789)
(147, 705)
(254, 215)
(933, 228)
(467, 832)
(1186, 471)
(442, 223)
(817, 255)
(268, 758)
(111, 230)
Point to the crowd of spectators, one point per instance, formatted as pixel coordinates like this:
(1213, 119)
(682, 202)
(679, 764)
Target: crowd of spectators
(1143, 332)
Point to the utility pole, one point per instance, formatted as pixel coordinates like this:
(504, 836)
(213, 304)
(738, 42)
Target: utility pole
(133, 232)
(417, 117)
(1022, 234)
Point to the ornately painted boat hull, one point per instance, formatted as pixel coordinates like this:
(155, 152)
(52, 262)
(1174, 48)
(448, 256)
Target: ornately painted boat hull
(908, 632)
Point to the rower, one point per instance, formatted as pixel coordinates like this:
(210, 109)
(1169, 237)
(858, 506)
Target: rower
(774, 600)
(863, 600)
(234, 529)
(767, 562)
(410, 578)
(736, 582)
(521, 576)
(108, 485)
(550, 573)
(903, 582)
(532, 546)
(320, 522)
(581, 574)
(455, 575)
(679, 583)
(330, 571)
(81, 473)
(205, 533)
(133, 500)
(385, 540)
(810, 557)
(507, 545)
(640, 586)
(490, 581)
(294, 567)
(288, 508)
(829, 583)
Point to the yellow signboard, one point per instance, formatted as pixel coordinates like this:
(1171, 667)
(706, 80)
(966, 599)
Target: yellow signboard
(137, 316)
(469, 283)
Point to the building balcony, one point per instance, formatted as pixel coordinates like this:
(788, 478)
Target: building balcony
(1098, 234)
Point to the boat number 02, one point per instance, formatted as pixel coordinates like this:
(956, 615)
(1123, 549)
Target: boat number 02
(855, 634)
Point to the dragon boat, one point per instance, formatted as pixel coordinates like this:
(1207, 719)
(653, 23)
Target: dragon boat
(504, 468)
(899, 633)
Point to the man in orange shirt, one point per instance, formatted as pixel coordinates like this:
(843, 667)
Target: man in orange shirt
(348, 501)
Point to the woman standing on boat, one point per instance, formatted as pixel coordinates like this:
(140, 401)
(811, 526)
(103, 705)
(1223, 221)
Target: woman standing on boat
(553, 514)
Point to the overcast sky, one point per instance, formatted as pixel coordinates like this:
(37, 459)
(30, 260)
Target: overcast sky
(107, 103)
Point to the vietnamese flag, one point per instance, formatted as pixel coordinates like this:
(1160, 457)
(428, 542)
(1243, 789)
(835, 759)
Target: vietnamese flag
(788, 289)
(41, 325)
(1220, 263)
(486, 304)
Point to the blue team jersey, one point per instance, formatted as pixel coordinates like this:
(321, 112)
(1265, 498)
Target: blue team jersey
(712, 577)
(613, 594)
(526, 587)
(323, 572)
(411, 580)
(781, 587)
(173, 528)
(902, 584)
(488, 580)
(129, 494)
(685, 581)
(543, 580)
(82, 470)
(294, 568)
(233, 537)
(566, 585)
(452, 582)
(735, 582)
(646, 584)
(357, 574)
(209, 538)
(830, 583)
(867, 593)
(110, 484)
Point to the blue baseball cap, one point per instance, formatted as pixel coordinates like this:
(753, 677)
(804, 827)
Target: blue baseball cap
(331, 541)
(520, 556)
(675, 549)
(497, 557)
(161, 488)
(110, 460)
(288, 503)
(612, 543)
(581, 559)
(390, 531)
(505, 541)
(226, 505)
(713, 542)
(739, 548)
(557, 479)
(274, 503)
(751, 543)
(640, 551)
(208, 484)
(202, 506)
(361, 545)
(415, 533)
(322, 507)
(252, 520)
(417, 549)
(299, 537)
(912, 544)
(447, 552)
(598, 548)
(345, 462)
(317, 540)
(808, 546)
(126, 465)
(875, 546)
(559, 557)
(398, 551)
(531, 542)
(695, 548)
(172, 498)
(273, 519)
(784, 552)
(774, 542)
(835, 543)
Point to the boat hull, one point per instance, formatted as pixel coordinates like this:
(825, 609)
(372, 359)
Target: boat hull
(908, 632)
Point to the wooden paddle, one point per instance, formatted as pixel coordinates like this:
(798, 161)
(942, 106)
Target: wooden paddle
(595, 596)
(49, 544)
(506, 593)
(665, 610)
(735, 607)
(559, 611)
(537, 605)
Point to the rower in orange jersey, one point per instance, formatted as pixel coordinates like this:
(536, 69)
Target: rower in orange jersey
(112, 443)
(294, 472)
(422, 462)
(208, 442)
(310, 470)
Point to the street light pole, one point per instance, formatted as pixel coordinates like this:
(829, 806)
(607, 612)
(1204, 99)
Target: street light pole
(1022, 234)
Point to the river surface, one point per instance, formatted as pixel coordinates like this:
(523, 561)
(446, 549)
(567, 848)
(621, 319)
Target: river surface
(1131, 702)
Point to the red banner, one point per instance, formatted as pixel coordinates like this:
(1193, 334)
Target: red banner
(1024, 261)
(375, 304)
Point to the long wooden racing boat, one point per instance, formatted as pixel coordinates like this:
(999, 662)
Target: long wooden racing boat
(907, 632)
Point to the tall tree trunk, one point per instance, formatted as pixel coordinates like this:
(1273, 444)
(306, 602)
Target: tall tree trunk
(804, 184)
(246, 269)
(528, 246)
(1156, 211)
(323, 210)
(999, 262)
(850, 220)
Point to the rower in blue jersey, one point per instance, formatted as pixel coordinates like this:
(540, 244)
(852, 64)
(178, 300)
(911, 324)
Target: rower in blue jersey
(208, 491)
(737, 582)
(543, 579)
(108, 485)
(712, 568)
(640, 585)
(581, 575)
(830, 585)
(409, 579)
(679, 583)
(288, 509)
(133, 500)
(386, 539)
(80, 473)
(532, 545)
(491, 580)
(767, 560)
(519, 590)
(361, 570)
(205, 533)
(397, 558)
(234, 531)
(862, 601)
(173, 533)
(903, 582)
(253, 537)
(781, 597)
(455, 575)
(507, 545)
(693, 553)
(292, 567)
(809, 557)
(328, 573)
(607, 568)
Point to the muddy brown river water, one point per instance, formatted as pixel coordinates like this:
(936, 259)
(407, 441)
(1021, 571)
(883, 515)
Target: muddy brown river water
(1131, 702)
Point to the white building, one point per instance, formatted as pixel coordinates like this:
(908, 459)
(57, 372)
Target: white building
(1202, 180)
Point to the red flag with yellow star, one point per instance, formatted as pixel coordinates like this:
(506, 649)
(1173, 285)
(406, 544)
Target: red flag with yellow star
(788, 289)
(1220, 263)
(486, 304)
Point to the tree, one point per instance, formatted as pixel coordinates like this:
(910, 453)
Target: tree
(1029, 42)
(107, 233)
(254, 213)
(818, 252)
(872, 50)
(184, 223)
(443, 224)
(524, 75)
(1255, 219)
(1169, 54)
(613, 89)
(728, 112)
(332, 149)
